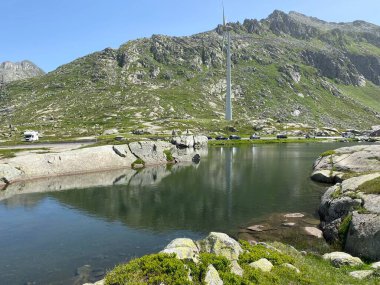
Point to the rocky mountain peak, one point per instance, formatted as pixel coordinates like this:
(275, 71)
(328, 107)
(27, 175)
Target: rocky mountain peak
(11, 71)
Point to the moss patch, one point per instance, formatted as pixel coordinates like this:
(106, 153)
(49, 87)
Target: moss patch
(327, 153)
(169, 155)
(370, 187)
(343, 228)
(138, 161)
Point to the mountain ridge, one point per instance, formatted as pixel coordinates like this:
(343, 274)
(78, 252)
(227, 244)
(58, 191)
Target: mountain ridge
(11, 71)
(284, 69)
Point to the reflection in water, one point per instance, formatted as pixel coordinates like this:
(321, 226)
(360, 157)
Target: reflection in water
(69, 220)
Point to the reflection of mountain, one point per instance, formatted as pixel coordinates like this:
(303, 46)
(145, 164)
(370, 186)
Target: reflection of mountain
(229, 188)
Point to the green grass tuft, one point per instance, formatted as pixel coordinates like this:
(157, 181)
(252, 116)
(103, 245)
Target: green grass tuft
(370, 187)
(327, 153)
(169, 155)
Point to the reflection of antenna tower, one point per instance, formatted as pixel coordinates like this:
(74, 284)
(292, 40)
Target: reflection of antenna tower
(229, 175)
(226, 34)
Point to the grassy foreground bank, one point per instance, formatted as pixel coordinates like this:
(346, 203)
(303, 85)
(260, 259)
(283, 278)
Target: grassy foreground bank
(167, 269)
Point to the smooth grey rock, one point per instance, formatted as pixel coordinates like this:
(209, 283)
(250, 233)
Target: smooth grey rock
(363, 237)
(339, 259)
(76, 161)
(353, 183)
(212, 276)
(184, 248)
(358, 158)
(361, 274)
(220, 244)
(371, 203)
(256, 228)
(9, 173)
(288, 224)
(262, 264)
(311, 231)
(151, 152)
(294, 215)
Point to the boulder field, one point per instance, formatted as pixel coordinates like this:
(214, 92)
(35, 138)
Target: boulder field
(96, 159)
(350, 209)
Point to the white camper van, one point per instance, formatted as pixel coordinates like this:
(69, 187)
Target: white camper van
(30, 136)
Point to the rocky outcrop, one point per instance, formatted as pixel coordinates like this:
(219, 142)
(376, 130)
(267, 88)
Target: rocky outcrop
(330, 66)
(11, 71)
(349, 215)
(360, 158)
(363, 237)
(190, 141)
(87, 160)
(150, 152)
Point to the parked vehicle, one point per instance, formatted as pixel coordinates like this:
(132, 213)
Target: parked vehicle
(221, 138)
(254, 137)
(282, 136)
(30, 136)
(234, 137)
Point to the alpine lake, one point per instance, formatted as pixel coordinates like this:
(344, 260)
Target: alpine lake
(72, 230)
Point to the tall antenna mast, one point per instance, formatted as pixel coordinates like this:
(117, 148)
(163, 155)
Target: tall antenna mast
(226, 30)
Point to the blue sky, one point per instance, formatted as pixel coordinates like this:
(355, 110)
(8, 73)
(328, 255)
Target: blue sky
(54, 32)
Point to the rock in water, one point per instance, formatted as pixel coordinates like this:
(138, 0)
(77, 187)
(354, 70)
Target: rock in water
(311, 231)
(196, 158)
(294, 215)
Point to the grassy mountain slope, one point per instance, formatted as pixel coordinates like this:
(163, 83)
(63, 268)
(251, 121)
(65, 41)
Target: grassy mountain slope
(288, 67)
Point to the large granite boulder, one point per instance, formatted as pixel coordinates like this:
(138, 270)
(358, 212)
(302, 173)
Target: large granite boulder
(151, 152)
(9, 174)
(363, 237)
(184, 248)
(190, 141)
(220, 244)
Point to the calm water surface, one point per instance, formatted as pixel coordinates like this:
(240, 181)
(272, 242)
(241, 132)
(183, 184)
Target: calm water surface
(49, 228)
